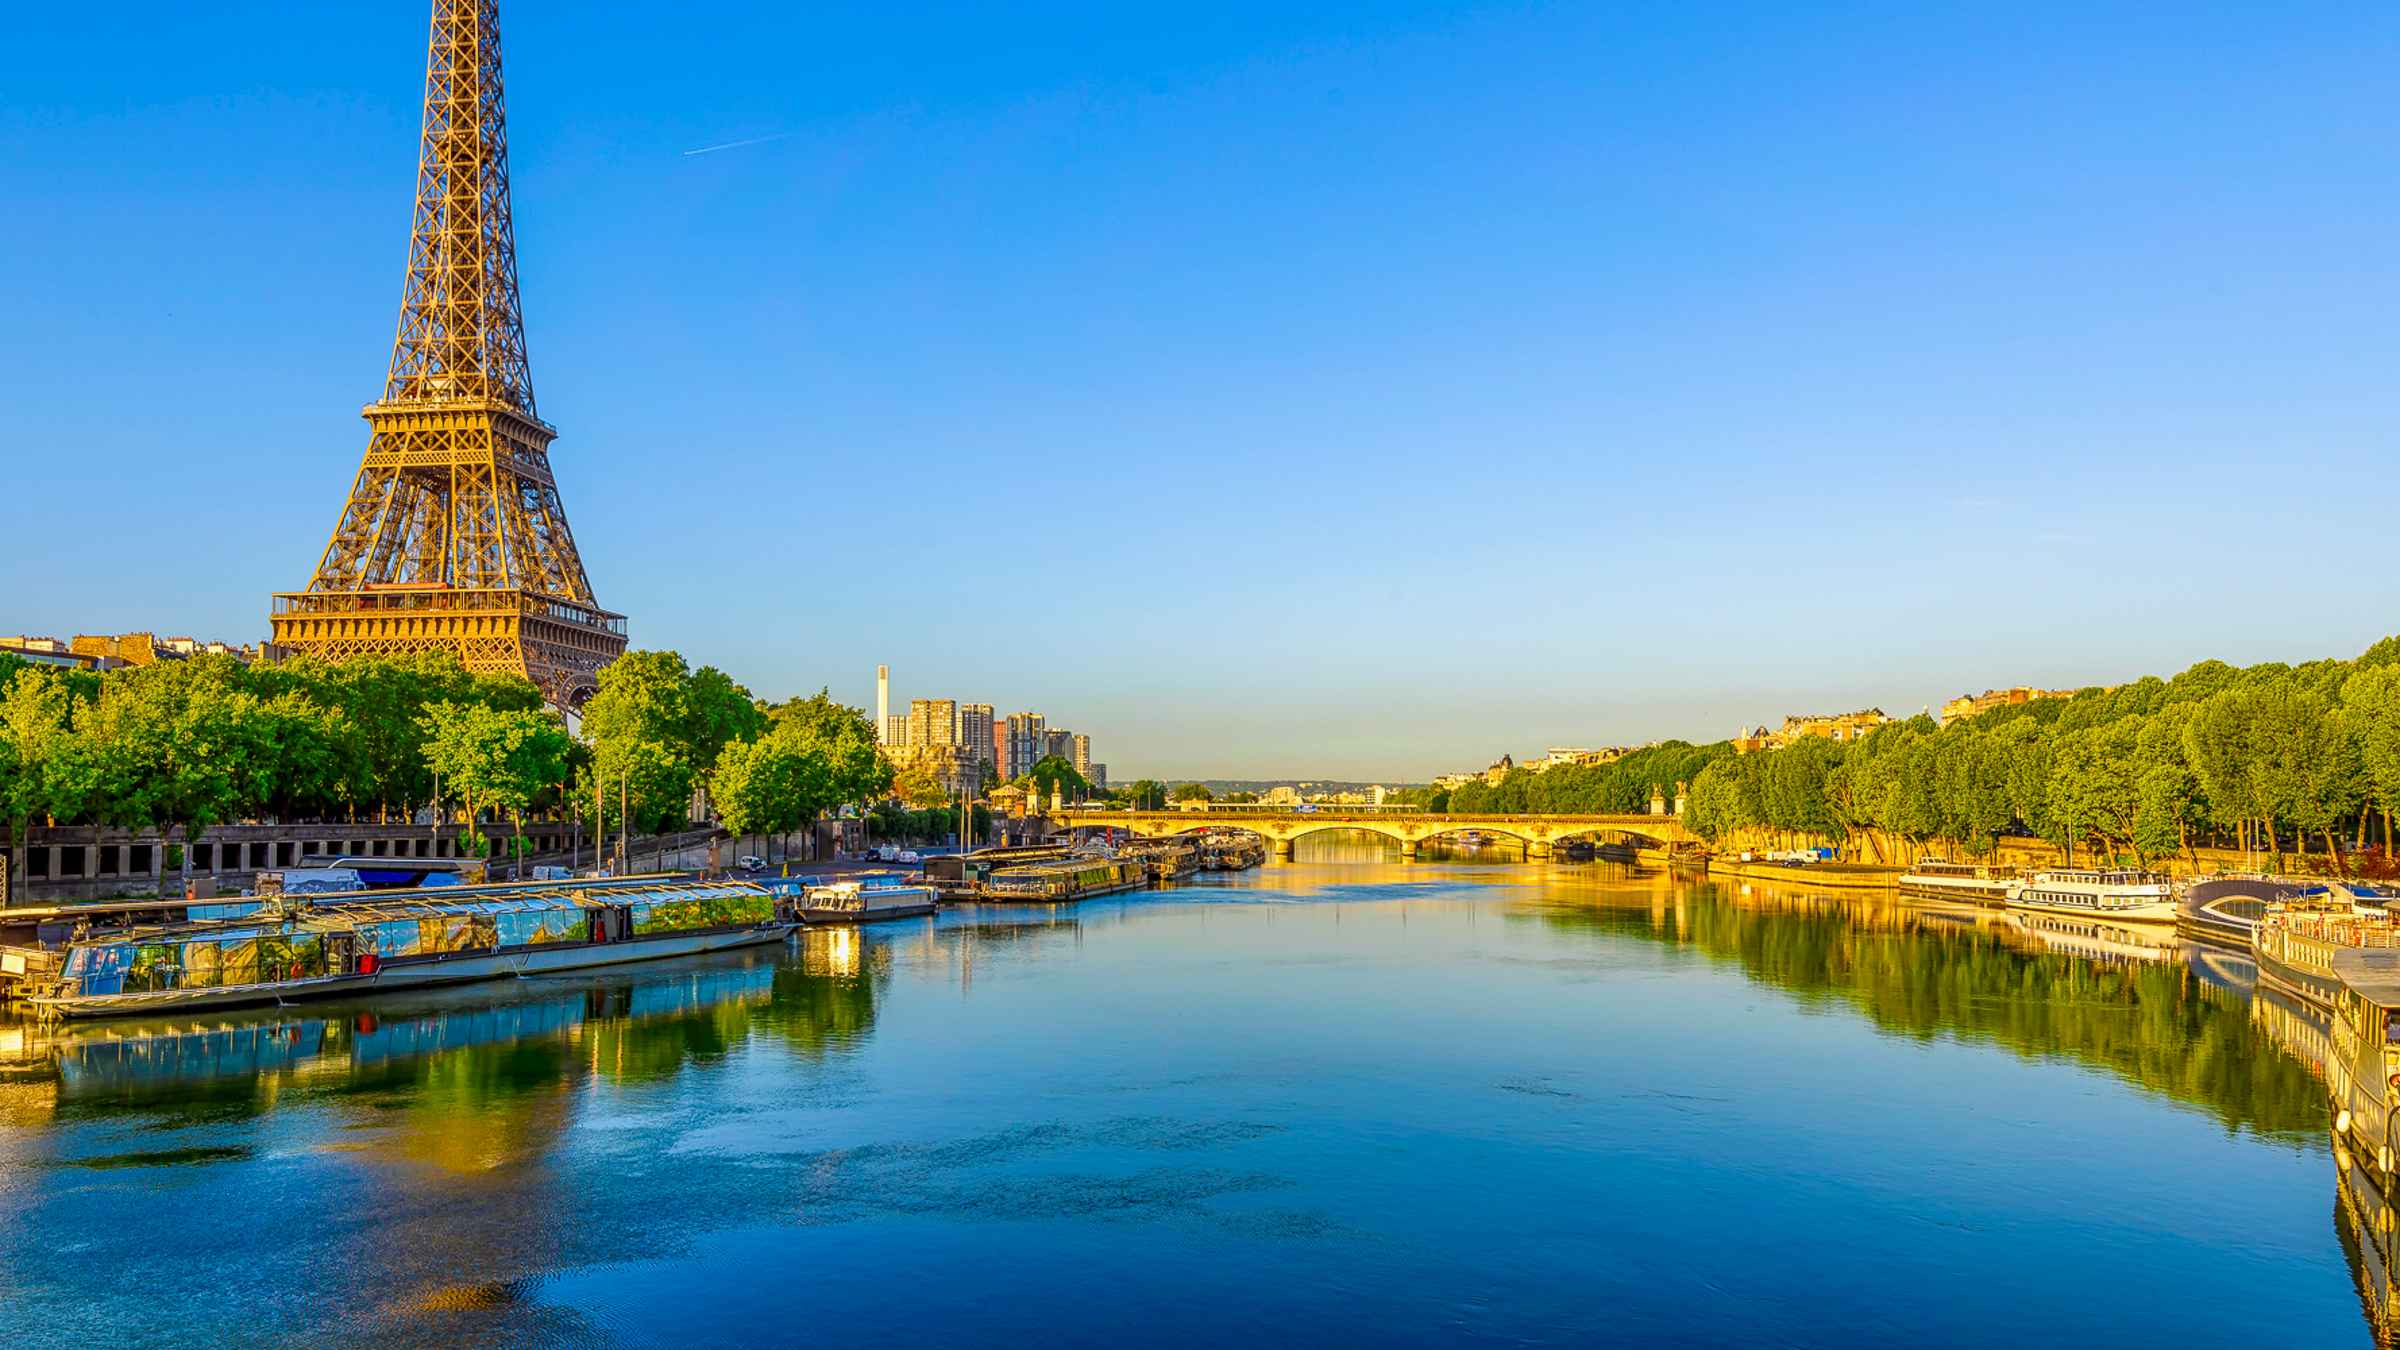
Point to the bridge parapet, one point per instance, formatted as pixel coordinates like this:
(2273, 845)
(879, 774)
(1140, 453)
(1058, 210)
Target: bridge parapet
(1409, 828)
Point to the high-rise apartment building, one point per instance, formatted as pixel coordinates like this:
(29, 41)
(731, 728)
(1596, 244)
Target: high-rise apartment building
(1082, 756)
(883, 702)
(932, 721)
(894, 730)
(1022, 740)
(1060, 743)
(975, 732)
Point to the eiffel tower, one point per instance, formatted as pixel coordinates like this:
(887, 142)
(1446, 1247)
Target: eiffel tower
(453, 538)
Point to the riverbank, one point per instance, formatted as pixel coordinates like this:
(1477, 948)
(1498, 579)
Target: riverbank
(1841, 876)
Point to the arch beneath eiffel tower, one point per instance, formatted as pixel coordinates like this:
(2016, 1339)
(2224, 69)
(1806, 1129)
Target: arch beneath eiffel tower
(454, 537)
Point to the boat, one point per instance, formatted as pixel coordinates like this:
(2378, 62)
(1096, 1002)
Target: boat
(1167, 859)
(2121, 894)
(2368, 1225)
(2225, 908)
(961, 875)
(864, 900)
(297, 950)
(1232, 852)
(1975, 883)
(2295, 941)
(2363, 1069)
(2097, 939)
(1067, 879)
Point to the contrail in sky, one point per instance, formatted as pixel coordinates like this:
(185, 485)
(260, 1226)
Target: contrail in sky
(736, 145)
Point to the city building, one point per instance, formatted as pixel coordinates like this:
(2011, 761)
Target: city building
(883, 702)
(1449, 782)
(1567, 757)
(1282, 794)
(1060, 742)
(975, 730)
(1098, 777)
(952, 765)
(1968, 705)
(1080, 755)
(49, 651)
(1499, 771)
(1022, 739)
(894, 730)
(145, 649)
(1844, 727)
(933, 722)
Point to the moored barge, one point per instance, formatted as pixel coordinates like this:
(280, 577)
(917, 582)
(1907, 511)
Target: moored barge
(2297, 943)
(294, 951)
(1166, 859)
(1067, 879)
(1232, 852)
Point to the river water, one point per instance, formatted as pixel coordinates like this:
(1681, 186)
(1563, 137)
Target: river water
(1335, 1101)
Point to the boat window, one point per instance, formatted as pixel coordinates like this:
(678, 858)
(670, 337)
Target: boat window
(705, 911)
(535, 927)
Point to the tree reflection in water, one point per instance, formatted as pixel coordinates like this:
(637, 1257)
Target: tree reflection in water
(1924, 972)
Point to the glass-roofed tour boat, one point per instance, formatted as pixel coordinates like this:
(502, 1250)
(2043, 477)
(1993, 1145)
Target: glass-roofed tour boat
(341, 946)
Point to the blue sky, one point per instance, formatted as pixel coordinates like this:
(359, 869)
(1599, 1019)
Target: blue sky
(1346, 390)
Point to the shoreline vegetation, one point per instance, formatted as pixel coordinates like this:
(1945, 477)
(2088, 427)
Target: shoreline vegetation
(2297, 766)
(185, 746)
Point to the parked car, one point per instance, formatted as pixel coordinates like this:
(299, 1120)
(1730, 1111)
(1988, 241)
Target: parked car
(751, 861)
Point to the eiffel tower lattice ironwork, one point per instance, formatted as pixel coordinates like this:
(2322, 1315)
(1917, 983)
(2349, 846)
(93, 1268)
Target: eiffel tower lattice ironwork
(453, 537)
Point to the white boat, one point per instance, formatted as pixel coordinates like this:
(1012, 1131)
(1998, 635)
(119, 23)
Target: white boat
(2098, 939)
(1975, 883)
(2140, 897)
(867, 900)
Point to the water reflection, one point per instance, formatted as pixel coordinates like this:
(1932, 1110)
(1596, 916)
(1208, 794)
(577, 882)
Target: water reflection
(440, 1165)
(2364, 1219)
(477, 1042)
(2138, 1007)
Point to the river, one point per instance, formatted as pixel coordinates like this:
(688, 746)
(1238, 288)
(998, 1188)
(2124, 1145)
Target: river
(1334, 1101)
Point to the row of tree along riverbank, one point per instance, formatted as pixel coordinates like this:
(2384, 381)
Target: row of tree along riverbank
(183, 747)
(2293, 766)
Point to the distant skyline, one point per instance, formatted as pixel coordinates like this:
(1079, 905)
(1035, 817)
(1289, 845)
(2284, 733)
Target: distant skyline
(1352, 391)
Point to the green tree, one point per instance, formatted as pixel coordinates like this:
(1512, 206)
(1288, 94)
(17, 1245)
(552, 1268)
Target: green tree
(855, 769)
(1145, 794)
(716, 713)
(2095, 783)
(1056, 774)
(1193, 792)
(1714, 808)
(496, 759)
(641, 736)
(772, 785)
(2371, 696)
(916, 785)
(34, 739)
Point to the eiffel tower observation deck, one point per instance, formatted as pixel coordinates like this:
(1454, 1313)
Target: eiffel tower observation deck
(453, 537)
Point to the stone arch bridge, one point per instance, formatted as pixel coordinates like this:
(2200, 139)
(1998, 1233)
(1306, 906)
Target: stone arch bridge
(1281, 826)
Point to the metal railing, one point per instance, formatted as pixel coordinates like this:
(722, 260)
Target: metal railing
(1347, 812)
